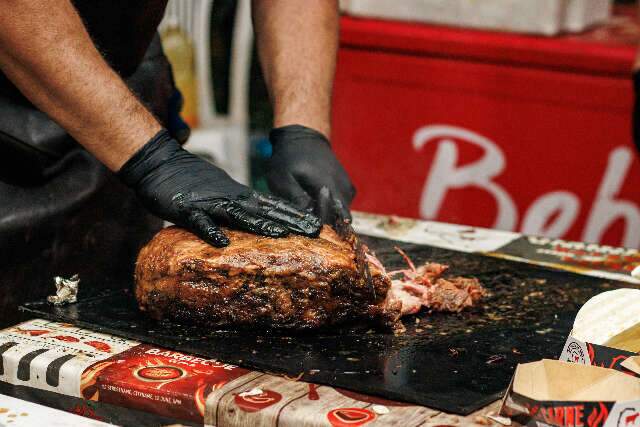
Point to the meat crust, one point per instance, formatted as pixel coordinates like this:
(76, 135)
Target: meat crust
(293, 282)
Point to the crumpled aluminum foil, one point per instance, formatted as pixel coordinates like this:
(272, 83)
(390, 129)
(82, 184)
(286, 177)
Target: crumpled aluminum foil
(66, 290)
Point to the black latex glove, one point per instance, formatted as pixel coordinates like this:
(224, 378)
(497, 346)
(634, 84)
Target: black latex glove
(188, 191)
(304, 170)
(636, 109)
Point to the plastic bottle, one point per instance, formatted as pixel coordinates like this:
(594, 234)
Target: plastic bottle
(180, 52)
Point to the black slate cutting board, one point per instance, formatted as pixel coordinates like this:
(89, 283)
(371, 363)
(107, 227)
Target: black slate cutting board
(452, 362)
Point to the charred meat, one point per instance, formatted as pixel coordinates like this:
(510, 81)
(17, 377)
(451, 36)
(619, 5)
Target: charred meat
(293, 282)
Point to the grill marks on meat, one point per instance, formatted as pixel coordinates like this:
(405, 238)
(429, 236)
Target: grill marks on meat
(293, 282)
(424, 287)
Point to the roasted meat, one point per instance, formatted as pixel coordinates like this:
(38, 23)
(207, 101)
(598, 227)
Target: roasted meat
(423, 286)
(293, 282)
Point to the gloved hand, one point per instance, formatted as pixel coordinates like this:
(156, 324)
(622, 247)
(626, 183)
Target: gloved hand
(188, 191)
(304, 170)
(636, 109)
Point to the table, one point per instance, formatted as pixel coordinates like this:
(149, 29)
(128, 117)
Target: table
(81, 371)
(20, 413)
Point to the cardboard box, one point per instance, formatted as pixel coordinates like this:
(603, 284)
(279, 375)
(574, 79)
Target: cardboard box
(557, 393)
(605, 332)
(584, 353)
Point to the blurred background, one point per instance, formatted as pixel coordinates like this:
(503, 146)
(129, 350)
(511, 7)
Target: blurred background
(509, 114)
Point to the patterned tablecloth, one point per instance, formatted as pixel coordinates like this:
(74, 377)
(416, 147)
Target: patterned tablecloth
(99, 375)
(125, 382)
(615, 263)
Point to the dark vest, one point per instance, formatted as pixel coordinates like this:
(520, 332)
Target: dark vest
(61, 211)
(124, 31)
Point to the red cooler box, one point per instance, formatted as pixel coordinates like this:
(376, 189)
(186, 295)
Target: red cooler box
(492, 129)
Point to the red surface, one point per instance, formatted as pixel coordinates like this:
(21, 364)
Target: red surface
(157, 380)
(556, 108)
(607, 49)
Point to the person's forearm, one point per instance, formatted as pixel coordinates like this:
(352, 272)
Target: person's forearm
(47, 53)
(297, 43)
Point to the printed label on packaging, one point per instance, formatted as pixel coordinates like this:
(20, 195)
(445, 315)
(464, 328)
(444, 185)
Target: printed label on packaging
(48, 355)
(625, 414)
(587, 256)
(576, 351)
(527, 411)
(157, 380)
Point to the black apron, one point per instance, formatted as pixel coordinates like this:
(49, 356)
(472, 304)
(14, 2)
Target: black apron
(61, 211)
